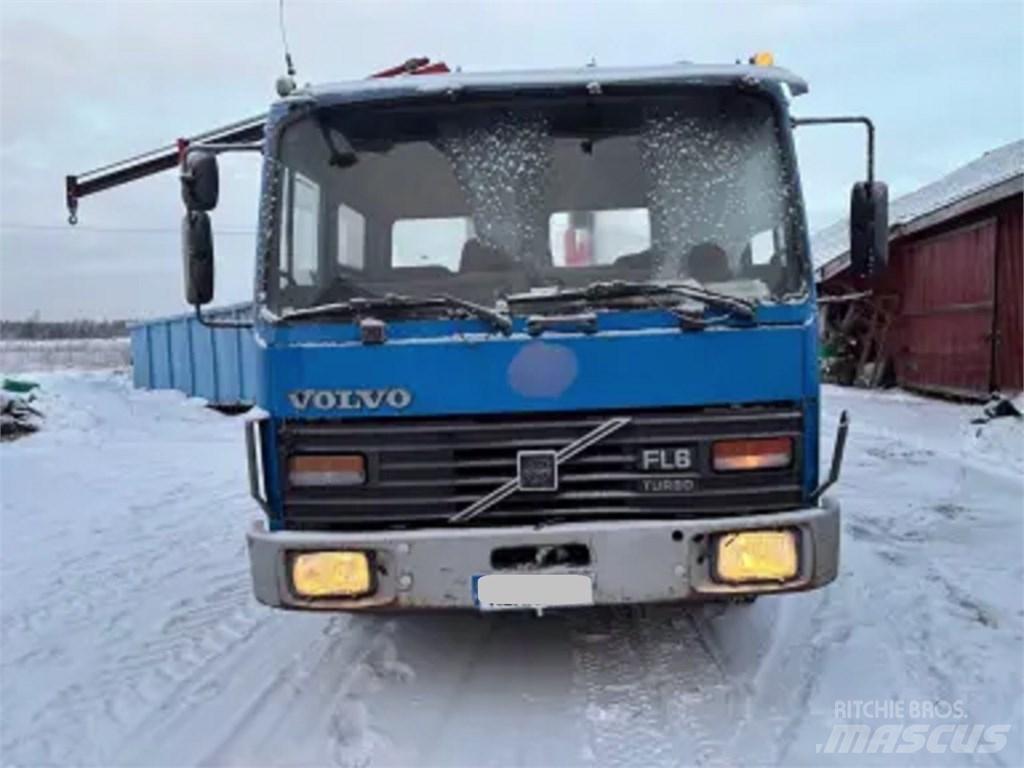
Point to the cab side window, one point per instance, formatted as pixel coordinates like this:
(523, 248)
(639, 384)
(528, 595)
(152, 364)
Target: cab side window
(300, 235)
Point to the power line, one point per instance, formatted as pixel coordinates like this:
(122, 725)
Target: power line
(117, 230)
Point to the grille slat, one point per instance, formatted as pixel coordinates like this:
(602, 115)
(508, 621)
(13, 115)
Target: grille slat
(424, 470)
(555, 442)
(539, 422)
(507, 463)
(461, 499)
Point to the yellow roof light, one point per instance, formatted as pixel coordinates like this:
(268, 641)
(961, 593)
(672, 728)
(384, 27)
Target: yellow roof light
(763, 59)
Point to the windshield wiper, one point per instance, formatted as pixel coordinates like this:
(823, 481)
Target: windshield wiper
(498, 320)
(624, 289)
(392, 302)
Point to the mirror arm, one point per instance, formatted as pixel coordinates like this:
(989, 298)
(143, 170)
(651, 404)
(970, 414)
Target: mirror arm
(865, 121)
(208, 323)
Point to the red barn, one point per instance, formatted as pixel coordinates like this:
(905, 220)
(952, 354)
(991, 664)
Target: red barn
(945, 315)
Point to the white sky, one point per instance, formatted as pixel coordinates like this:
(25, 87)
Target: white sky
(86, 83)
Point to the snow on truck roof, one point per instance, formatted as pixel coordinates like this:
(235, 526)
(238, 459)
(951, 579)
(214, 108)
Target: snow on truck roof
(993, 176)
(673, 74)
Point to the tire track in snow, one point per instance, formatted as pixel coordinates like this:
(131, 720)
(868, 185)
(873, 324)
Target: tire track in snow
(129, 685)
(295, 689)
(655, 695)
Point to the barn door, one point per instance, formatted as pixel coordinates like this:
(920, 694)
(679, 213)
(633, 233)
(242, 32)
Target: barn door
(948, 311)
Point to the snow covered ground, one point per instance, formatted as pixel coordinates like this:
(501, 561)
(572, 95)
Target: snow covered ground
(128, 635)
(19, 355)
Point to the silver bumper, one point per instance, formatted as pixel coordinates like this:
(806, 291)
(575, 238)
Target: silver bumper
(631, 561)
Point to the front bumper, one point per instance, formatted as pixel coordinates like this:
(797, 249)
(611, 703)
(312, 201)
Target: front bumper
(631, 561)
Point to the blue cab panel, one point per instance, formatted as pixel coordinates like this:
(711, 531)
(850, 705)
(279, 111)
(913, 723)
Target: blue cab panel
(636, 360)
(461, 374)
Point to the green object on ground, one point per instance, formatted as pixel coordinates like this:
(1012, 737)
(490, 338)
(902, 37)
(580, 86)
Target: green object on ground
(19, 386)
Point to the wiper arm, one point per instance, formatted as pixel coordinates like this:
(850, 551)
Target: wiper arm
(391, 301)
(624, 289)
(498, 320)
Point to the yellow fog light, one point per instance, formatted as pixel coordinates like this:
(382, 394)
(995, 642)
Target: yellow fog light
(756, 556)
(331, 574)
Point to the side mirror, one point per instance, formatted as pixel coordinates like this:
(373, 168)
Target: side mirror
(869, 228)
(197, 250)
(200, 181)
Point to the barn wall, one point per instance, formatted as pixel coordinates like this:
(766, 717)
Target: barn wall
(1007, 354)
(946, 288)
(1009, 358)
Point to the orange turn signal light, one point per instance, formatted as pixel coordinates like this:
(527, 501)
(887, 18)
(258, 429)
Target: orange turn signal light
(344, 469)
(758, 453)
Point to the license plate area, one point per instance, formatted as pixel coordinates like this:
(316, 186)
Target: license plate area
(511, 591)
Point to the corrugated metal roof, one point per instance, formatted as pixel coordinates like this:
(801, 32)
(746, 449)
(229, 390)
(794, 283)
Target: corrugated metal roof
(830, 246)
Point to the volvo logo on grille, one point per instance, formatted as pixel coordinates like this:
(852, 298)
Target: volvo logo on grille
(350, 399)
(538, 470)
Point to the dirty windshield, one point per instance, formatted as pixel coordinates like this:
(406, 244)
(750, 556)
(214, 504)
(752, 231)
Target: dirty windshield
(480, 202)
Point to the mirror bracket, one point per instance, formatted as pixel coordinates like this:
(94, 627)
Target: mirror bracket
(845, 120)
(208, 323)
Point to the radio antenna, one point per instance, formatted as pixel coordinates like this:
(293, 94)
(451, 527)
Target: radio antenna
(285, 83)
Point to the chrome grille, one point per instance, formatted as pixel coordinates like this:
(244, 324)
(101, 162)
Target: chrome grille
(424, 470)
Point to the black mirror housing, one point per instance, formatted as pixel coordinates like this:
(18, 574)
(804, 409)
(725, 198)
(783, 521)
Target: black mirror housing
(200, 180)
(197, 250)
(869, 228)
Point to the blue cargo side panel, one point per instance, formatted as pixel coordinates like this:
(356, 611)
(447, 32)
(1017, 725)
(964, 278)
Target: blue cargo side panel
(160, 347)
(203, 352)
(216, 364)
(226, 358)
(181, 357)
(142, 374)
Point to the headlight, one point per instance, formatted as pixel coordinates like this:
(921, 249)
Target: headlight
(748, 556)
(344, 469)
(331, 574)
(758, 453)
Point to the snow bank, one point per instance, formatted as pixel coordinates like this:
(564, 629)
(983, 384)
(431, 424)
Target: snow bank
(21, 356)
(935, 425)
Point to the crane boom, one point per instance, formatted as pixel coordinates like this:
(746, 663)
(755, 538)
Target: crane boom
(165, 158)
(155, 161)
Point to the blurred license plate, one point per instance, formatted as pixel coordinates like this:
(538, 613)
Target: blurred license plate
(501, 591)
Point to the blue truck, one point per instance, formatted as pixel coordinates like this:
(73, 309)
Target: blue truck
(530, 339)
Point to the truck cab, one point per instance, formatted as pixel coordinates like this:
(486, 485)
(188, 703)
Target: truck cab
(529, 339)
(536, 339)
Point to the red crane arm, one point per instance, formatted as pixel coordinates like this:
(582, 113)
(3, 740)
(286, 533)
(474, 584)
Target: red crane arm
(165, 158)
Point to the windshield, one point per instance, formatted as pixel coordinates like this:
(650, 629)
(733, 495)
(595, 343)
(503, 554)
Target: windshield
(482, 201)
